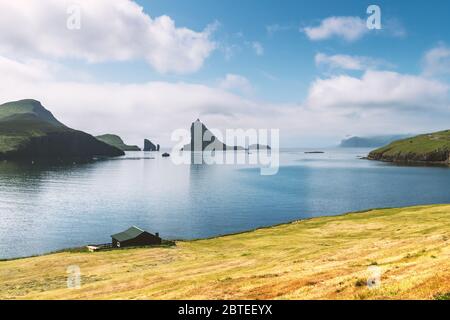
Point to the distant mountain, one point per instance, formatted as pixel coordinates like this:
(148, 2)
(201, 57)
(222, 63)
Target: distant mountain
(28, 131)
(425, 148)
(116, 141)
(370, 142)
(202, 138)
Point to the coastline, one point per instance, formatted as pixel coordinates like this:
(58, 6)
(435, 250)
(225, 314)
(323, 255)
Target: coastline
(317, 258)
(83, 249)
(411, 163)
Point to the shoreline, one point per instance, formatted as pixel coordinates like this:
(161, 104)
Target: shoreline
(175, 241)
(317, 258)
(412, 163)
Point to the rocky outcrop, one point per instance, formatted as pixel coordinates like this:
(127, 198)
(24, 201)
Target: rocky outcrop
(203, 139)
(437, 156)
(149, 146)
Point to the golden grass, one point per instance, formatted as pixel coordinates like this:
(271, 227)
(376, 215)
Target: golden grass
(321, 258)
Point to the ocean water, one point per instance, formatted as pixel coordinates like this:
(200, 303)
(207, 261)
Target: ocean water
(47, 208)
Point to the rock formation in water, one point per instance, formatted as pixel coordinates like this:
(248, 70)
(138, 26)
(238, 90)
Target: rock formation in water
(158, 147)
(28, 131)
(149, 146)
(203, 139)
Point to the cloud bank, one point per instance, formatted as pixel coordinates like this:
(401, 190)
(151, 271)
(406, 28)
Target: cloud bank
(437, 61)
(347, 28)
(379, 89)
(116, 30)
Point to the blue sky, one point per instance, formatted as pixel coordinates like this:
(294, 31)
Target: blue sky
(309, 68)
(289, 54)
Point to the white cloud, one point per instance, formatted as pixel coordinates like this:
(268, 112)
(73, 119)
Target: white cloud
(437, 61)
(395, 28)
(379, 89)
(236, 83)
(348, 28)
(258, 47)
(110, 31)
(335, 106)
(347, 62)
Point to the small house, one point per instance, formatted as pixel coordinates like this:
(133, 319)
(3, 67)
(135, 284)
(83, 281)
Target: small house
(133, 237)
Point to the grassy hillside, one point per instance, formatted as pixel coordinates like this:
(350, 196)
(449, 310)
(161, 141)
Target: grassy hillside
(116, 141)
(27, 107)
(433, 147)
(321, 258)
(29, 131)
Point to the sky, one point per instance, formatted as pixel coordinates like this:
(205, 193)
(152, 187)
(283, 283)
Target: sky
(312, 69)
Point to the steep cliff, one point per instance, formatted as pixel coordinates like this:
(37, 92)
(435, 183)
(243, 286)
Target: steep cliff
(149, 146)
(202, 138)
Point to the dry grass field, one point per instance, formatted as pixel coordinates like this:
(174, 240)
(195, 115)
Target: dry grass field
(321, 258)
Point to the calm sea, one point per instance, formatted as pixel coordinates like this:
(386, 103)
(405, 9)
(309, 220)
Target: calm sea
(49, 208)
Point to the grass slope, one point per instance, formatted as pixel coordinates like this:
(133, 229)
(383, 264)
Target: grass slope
(321, 258)
(116, 141)
(27, 107)
(22, 120)
(29, 131)
(433, 147)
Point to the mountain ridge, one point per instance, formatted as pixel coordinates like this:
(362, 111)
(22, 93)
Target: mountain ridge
(28, 131)
(117, 141)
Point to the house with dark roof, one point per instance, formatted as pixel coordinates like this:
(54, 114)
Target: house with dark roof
(133, 237)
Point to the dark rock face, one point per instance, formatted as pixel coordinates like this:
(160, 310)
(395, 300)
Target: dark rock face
(424, 149)
(158, 147)
(64, 145)
(165, 155)
(259, 147)
(438, 156)
(202, 138)
(149, 146)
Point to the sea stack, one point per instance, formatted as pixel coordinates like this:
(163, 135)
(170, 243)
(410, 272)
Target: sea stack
(149, 146)
(202, 138)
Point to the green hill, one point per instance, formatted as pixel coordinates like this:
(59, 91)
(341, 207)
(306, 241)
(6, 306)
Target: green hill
(28, 131)
(116, 141)
(27, 107)
(426, 148)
